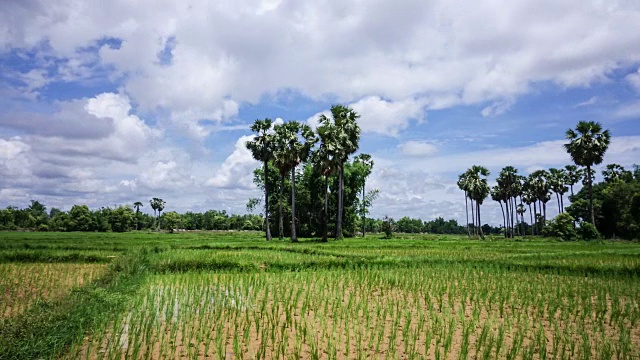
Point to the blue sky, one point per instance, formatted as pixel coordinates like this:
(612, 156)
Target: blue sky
(107, 103)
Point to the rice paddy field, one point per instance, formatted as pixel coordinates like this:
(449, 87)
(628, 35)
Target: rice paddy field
(232, 295)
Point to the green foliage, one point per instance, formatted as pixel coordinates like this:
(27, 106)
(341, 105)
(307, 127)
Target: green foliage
(561, 226)
(388, 227)
(172, 220)
(588, 231)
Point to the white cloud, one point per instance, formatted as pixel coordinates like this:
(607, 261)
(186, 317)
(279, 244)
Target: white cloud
(227, 52)
(418, 148)
(634, 80)
(237, 169)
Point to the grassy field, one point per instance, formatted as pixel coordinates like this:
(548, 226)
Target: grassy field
(233, 295)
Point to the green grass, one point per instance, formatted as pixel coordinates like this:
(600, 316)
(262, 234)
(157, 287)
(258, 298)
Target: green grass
(408, 297)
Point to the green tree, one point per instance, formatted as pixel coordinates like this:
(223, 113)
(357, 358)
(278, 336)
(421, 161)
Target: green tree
(172, 220)
(261, 150)
(297, 140)
(365, 163)
(615, 172)
(137, 205)
(478, 190)
(557, 178)
(346, 133)
(587, 145)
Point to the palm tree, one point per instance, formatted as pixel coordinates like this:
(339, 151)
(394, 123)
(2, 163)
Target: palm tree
(497, 194)
(557, 178)
(509, 182)
(542, 190)
(529, 198)
(280, 161)
(367, 165)
(154, 205)
(346, 134)
(297, 140)
(137, 205)
(521, 210)
(573, 176)
(615, 172)
(478, 190)
(160, 206)
(260, 148)
(462, 184)
(587, 145)
(323, 161)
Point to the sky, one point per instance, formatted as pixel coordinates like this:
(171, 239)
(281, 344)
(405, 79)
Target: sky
(105, 103)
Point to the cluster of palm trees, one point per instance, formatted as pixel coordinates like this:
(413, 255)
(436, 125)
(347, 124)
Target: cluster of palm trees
(587, 145)
(289, 144)
(157, 205)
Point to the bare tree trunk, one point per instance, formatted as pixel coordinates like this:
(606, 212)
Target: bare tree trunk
(364, 211)
(504, 219)
(466, 210)
(479, 222)
(511, 203)
(534, 222)
(590, 181)
(473, 219)
(325, 212)
(294, 237)
(558, 200)
(531, 217)
(340, 204)
(281, 221)
(266, 200)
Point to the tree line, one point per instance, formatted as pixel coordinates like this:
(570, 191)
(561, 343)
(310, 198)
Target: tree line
(121, 219)
(519, 194)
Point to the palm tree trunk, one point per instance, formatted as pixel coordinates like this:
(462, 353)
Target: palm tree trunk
(473, 219)
(562, 202)
(531, 218)
(294, 237)
(479, 222)
(466, 209)
(558, 200)
(534, 222)
(511, 204)
(504, 219)
(593, 218)
(364, 212)
(325, 212)
(507, 228)
(281, 222)
(340, 199)
(266, 200)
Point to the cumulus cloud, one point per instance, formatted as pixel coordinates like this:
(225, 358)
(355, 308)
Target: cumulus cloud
(237, 169)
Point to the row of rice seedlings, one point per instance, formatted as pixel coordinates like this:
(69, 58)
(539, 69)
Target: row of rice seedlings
(23, 285)
(442, 312)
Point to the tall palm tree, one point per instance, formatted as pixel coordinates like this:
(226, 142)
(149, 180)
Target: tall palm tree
(542, 190)
(521, 210)
(323, 161)
(347, 140)
(154, 205)
(497, 194)
(509, 182)
(557, 178)
(366, 163)
(478, 190)
(160, 206)
(298, 140)
(587, 145)
(281, 162)
(573, 176)
(137, 205)
(260, 148)
(463, 185)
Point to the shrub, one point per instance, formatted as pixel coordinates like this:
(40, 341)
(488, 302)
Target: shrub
(388, 227)
(588, 231)
(562, 227)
